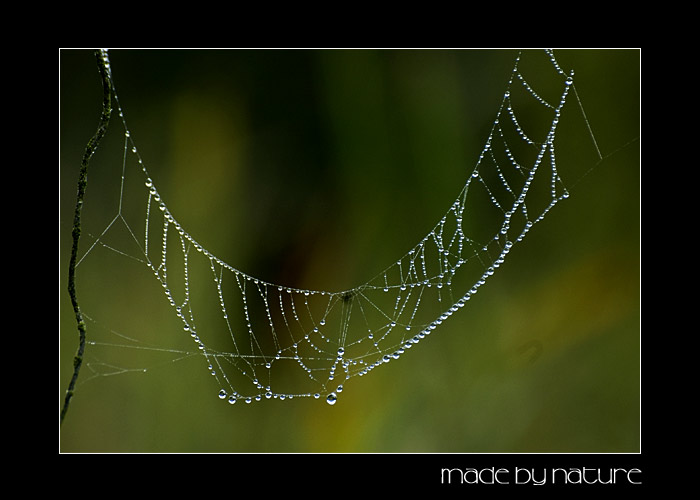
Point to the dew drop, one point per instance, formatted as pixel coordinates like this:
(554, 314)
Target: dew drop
(222, 394)
(331, 399)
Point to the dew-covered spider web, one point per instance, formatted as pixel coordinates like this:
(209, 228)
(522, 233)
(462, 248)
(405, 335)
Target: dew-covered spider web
(272, 341)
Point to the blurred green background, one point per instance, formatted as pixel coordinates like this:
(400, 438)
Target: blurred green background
(318, 168)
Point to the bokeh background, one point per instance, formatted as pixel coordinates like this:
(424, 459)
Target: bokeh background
(317, 169)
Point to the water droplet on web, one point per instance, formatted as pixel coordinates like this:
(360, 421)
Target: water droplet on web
(331, 399)
(222, 394)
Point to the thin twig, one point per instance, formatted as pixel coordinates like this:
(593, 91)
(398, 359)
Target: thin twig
(103, 65)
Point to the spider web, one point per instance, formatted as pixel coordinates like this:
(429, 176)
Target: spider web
(271, 341)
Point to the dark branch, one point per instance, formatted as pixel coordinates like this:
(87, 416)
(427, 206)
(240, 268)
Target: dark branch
(103, 65)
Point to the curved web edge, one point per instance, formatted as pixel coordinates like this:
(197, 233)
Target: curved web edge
(285, 342)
